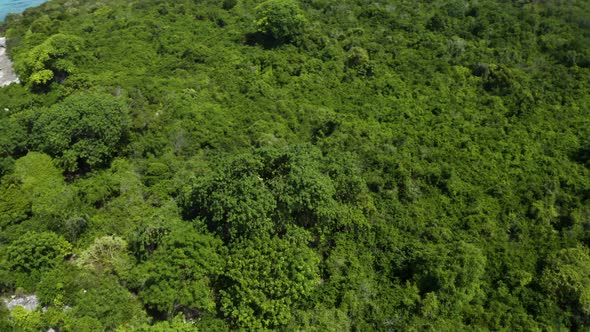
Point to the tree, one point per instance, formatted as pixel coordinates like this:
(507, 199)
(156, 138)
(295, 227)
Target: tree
(264, 192)
(177, 276)
(281, 20)
(12, 138)
(58, 287)
(106, 254)
(567, 277)
(26, 321)
(36, 188)
(5, 323)
(449, 276)
(102, 298)
(234, 203)
(177, 324)
(267, 279)
(83, 131)
(50, 60)
(36, 251)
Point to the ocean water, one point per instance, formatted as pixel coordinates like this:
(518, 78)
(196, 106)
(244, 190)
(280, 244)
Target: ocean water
(16, 6)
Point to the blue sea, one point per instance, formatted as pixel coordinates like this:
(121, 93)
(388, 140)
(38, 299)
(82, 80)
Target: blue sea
(16, 6)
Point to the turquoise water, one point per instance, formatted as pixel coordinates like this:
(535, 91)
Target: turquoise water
(16, 6)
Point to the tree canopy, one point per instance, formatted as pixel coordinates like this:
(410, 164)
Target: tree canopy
(84, 130)
(289, 165)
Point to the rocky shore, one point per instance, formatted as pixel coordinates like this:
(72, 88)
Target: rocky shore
(7, 75)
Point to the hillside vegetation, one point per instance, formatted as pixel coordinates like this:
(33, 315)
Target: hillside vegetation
(313, 165)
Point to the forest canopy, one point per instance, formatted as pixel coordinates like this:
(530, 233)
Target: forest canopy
(297, 165)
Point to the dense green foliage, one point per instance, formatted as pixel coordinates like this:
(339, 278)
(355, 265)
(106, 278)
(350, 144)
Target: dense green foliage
(312, 165)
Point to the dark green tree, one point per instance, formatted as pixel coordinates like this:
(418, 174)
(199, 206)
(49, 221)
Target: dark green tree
(265, 192)
(177, 276)
(102, 298)
(233, 203)
(84, 131)
(567, 278)
(281, 20)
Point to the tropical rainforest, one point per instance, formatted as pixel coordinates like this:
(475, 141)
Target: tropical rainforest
(297, 165)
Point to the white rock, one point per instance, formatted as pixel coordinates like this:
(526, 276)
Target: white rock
(29, 302)
(7, 75)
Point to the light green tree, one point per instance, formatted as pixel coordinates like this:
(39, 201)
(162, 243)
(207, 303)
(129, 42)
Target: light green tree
(106, 254)
(26, 321)
(177, 324)
(50, 60)
(267, 280)
(35, 188)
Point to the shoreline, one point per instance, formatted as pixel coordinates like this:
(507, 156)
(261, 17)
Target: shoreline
(7, 75)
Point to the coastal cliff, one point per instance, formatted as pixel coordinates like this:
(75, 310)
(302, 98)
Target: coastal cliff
(7, 75)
